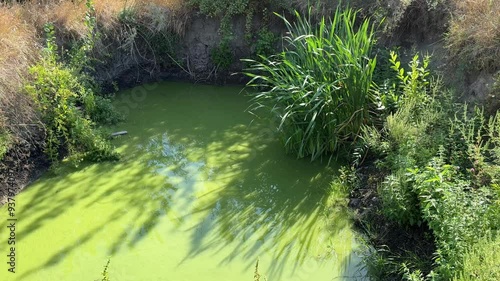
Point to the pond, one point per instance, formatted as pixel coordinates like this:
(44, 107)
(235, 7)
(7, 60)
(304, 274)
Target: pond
(203, 191)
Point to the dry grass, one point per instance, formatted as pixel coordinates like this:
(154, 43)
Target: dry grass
(108, 10)
(474, 34)
(18, 49)
(17, 43)
(69, 15)
(174, 10)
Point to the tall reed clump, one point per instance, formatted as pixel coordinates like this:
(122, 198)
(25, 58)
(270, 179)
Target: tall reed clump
(319, 86)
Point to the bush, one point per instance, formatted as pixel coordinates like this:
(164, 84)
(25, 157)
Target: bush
(400, 202)
(408, 110)
(319, 87)
(222, 56)
(64, 94)
(411, 111)
(103, 112)
(265, 44)
(442, 171)
(454, 211)
(460, 205)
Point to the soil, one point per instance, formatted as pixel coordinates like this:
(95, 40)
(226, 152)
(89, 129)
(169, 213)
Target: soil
(19, 168)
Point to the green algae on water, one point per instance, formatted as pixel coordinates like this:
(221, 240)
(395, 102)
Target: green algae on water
(202, 191)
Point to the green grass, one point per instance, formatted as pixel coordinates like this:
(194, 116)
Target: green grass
(319, 86)
(481, 263)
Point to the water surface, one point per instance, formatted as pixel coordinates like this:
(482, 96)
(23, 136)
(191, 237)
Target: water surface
(201, 193)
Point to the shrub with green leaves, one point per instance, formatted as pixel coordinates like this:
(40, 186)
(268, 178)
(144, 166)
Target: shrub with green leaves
(409, 111)
(442, 166)
(64, 94)
(222, 56)
(401, 203)
(103, 112)
(319, 86)
(454, 210)
(458, 197)
(473, 144)
(265, 44)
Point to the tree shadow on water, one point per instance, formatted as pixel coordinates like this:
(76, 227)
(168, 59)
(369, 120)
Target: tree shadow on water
(269, 208)
(227, 184)
(264, 203)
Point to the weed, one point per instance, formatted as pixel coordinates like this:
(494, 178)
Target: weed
(105, 273)
(454, 211)
(265, 44)
(442, 171)
(222, 55)
(5, 140)
(481, 261)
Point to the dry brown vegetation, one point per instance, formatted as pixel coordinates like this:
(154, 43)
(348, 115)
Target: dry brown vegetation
(474, 34)
(18, 49)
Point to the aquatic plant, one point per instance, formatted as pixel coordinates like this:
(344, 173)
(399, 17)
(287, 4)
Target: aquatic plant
(105, 273)
(319, 86)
